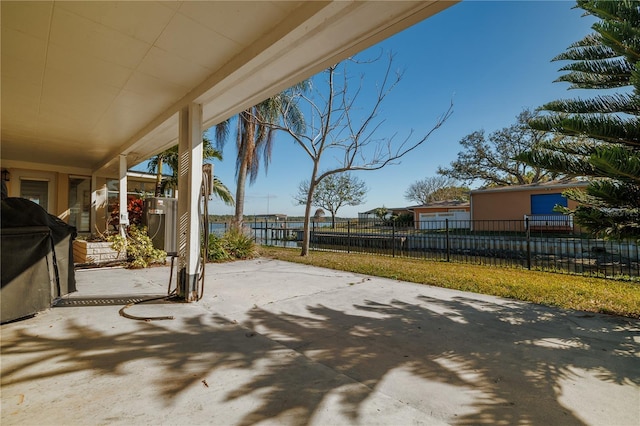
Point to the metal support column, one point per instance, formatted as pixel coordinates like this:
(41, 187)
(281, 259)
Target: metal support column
(189, 182)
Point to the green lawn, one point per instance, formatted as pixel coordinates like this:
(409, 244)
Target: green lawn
(564, 291)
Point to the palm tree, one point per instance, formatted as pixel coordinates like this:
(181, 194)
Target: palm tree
(170, 158)
(254, 138)
(606, 146)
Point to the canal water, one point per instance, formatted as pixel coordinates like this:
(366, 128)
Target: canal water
(219, 228)
(282, 234)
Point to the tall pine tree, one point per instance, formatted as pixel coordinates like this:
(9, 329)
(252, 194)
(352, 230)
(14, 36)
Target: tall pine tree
(605, 130)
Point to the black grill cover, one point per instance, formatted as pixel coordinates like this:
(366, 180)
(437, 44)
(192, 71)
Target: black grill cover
(20, 216)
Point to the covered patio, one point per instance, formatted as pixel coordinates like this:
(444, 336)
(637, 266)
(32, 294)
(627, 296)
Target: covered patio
(90, 89)
(278, 343)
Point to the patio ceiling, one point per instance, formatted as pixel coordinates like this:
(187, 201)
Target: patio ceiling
(83, 82)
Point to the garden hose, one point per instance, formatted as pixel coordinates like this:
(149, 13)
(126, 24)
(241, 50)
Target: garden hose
(203, 211)
(205, 190)
(134, 317)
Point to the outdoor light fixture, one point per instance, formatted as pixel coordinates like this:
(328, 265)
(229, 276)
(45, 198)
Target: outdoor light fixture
(6, 176)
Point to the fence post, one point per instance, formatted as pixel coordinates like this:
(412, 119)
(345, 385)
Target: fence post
(528, 231)
(348, 235)
(285, 234)
(266, 236)
(393, 238)
(255, 229)
(446, 226)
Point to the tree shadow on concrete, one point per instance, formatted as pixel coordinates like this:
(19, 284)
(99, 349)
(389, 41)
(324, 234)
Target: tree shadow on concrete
(508, 362)
(187, 352)
(513, 359)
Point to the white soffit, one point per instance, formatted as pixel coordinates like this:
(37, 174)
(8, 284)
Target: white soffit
(85, 81)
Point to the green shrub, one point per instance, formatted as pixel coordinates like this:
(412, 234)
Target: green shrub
(216, 250)
(404, 220)
(239, 245)
(138, 246)
(232, 245)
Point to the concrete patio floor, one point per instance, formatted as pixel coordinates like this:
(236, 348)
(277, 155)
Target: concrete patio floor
(279, 343)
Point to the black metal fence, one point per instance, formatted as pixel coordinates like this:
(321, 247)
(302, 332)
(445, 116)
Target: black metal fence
(508, 243)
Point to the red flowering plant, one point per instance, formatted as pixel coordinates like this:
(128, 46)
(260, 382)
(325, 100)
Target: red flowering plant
(134, 208)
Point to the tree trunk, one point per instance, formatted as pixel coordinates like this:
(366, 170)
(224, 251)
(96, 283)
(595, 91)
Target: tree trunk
(242, 178)
(307, 210)
(159, 177)
(307, 221)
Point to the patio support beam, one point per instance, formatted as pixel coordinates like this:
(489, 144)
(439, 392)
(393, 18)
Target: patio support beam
(122, 195)
(94, 203)
(189, 182)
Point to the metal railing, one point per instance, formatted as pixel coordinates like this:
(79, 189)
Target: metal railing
(550, 222)
(508, 243)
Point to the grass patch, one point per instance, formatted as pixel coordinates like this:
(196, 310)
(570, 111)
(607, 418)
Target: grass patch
(563, 291)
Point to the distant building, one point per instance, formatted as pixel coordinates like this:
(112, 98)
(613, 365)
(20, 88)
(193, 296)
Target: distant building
(391, 211)
(535, 202)
(431, 215)
(271, 217)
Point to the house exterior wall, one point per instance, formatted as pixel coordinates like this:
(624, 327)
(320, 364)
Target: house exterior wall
(500, 205)
(418, 210)
(507, 205)
(58, 202)
(53, 178)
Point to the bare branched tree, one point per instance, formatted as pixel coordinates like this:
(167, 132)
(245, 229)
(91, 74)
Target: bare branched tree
(333, 192)
(430, 189)
(341, 134)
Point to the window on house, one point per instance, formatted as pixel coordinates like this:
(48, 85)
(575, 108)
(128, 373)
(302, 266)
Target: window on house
(36, 191)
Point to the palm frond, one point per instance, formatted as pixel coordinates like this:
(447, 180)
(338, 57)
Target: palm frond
(617, 162)
(613, 193)
(221, 191)
(619, 102)
(557, 162)
(615, 66)
(610, 223)
(583, 80)
(221, 133)
(609, 128)
(589, 48)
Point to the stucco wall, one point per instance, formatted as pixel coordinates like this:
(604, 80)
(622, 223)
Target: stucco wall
(418, 210)
(507, 204)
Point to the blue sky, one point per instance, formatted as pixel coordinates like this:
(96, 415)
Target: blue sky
(491, 58)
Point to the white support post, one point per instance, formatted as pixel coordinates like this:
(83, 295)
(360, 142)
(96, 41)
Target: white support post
(94, 203)
(189, 182)
(122, 195)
